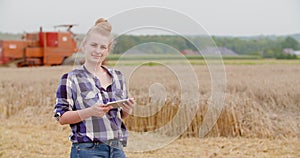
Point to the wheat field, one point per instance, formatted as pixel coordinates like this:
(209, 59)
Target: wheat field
(260, 116)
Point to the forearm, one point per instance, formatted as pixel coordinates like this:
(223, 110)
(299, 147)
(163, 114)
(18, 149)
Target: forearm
(72, 117)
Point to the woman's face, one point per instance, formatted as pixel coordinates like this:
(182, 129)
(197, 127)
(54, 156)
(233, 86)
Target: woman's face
(96, 48)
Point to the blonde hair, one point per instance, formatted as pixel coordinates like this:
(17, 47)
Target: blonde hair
(103, 27)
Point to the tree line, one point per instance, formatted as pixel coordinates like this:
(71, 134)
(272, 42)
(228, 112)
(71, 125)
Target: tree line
(260, 46)
(264, 46)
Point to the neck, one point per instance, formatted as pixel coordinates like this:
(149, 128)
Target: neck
(93, 68)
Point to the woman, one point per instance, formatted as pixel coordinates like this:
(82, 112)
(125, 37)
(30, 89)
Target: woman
(82, 95)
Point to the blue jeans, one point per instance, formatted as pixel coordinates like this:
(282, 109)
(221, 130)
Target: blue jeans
(95, 150)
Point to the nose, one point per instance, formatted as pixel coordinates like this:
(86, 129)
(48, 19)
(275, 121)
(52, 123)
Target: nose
(99, 50)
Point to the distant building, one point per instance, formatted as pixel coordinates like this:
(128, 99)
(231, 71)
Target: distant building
(288, 51)
(291, 51)
(189, 52)
(297, 52)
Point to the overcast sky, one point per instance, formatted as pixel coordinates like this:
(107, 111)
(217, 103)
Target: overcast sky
(218, 17)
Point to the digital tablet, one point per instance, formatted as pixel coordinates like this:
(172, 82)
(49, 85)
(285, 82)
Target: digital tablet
(116, 104)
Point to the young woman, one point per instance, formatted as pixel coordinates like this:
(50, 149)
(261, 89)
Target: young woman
(82, 95)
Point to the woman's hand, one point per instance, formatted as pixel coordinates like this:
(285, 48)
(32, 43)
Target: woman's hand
(127, 107)
(99, 110)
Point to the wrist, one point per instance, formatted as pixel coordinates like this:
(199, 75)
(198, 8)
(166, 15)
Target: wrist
(85, 113)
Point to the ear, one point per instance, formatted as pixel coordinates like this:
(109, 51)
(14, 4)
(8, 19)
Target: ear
(82, 46)
(81, 49)
(78, 50)
(109, 47)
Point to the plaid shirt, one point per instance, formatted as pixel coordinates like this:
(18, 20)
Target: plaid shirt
(79, 89)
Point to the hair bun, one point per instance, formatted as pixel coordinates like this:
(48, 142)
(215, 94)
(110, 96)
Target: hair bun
(100, 21)
(103, 23)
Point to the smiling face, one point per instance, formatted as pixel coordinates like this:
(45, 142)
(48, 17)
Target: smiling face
(96, 48)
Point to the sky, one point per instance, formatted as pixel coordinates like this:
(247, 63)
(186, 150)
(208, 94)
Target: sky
(217, 17)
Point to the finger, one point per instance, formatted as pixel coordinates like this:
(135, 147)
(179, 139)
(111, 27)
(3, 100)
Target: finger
(127, 102)
(102, 105)
(106, 108)
(126, 107)
(131, 100)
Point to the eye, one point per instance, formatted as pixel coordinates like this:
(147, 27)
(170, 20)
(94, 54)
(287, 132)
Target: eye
(103, 47)
(93, 44)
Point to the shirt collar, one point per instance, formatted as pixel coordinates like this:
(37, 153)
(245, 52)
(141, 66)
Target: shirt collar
(104, 67)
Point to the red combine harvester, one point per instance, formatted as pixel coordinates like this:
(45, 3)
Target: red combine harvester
(40, 48)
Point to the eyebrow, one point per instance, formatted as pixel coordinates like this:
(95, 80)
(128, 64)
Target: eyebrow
(98, 44)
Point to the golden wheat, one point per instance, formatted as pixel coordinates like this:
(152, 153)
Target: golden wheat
(262, 101)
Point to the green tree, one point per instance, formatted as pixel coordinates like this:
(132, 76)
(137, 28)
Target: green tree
(290, 42)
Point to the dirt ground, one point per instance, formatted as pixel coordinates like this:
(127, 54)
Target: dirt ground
(24, 135)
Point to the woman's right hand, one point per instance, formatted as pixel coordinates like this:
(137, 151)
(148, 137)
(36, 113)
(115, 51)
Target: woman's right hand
(99, 110)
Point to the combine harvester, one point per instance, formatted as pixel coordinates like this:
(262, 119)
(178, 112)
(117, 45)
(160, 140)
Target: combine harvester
(40, 48)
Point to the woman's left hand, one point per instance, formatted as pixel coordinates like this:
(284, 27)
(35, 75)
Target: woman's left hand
(128, 107)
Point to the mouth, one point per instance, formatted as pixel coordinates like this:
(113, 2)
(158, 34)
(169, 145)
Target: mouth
(96, 56)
